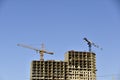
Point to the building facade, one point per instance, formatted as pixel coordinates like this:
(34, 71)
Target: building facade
(81, 65)
(76, 66)
(49, 70)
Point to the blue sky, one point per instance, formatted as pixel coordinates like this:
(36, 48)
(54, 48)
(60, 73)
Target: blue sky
(61, 26)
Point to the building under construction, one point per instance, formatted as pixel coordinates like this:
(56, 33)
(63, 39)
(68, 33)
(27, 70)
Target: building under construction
(76, 66)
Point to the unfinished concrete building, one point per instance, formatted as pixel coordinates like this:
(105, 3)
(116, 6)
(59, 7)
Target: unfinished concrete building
(81, 65)
(76, 66)
(49, 70)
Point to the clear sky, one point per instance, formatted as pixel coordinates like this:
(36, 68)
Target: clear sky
(61, 25)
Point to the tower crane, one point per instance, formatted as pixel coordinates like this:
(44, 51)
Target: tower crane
(40, 51)
(90, 43)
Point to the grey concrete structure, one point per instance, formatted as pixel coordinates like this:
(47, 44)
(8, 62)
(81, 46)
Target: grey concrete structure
(76, 66)
(81, 65)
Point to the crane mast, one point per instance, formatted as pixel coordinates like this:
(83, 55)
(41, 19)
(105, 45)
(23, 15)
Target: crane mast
(40, 51)
(89, 43)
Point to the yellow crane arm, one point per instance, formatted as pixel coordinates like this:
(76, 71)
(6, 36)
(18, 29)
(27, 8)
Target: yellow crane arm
(26, 46)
